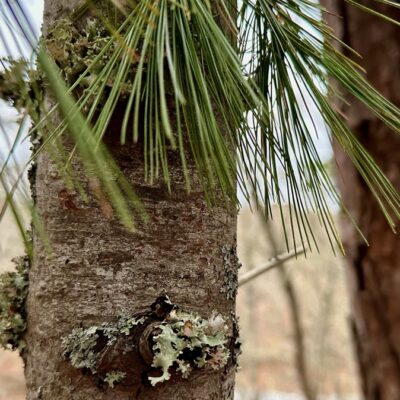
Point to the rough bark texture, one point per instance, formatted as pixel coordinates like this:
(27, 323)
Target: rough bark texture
(374, 271)
(98, 270)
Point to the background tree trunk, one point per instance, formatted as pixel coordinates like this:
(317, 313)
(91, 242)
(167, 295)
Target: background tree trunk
(374, 271)
(98, 270)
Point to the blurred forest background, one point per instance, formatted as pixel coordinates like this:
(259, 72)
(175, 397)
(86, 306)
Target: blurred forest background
(268, 366)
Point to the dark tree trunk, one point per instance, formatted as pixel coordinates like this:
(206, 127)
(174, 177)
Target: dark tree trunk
(97, 270)
(374, 271)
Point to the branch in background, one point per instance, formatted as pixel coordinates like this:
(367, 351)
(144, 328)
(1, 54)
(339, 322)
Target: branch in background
(270, 265)
(301, 361)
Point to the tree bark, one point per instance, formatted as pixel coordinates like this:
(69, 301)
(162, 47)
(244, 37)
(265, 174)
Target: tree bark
(97, 270)
(374, 270)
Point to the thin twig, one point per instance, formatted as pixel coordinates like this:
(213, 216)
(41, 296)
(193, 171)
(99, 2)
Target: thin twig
(273, 263)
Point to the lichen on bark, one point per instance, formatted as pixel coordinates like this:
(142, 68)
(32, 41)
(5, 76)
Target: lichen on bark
(114, 377)
(231, 266)
(81, 346)
(188, 341)
(75, 47)
(82, 51)
(13, 292)
(177, 340)
(21, 85)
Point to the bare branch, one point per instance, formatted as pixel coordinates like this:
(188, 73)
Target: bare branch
(270, 265)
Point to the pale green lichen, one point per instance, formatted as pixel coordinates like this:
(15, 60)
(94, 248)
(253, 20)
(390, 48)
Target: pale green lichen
(114, 377)
(187, 341)
(75, 47)
(21, 86)
(126, 323)
(80, 346)
(13, 292)
(166, 337)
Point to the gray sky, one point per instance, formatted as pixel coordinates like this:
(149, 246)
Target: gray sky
(34, 10)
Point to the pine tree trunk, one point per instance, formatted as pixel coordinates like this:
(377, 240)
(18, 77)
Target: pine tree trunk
(374, 271)
(97, 270)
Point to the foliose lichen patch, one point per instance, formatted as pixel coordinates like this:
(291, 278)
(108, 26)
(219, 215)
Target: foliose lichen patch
(13, 292)
(186, 341)
(167, 339)
(21, 86)
(75, 48)
(81, 348)
(82, 51)
(114, 377)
